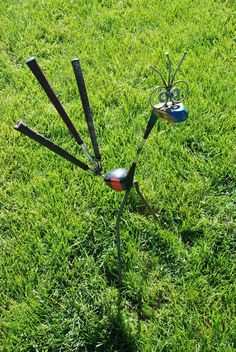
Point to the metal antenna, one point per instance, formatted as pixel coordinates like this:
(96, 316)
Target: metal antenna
(169, 64)
(160, 74)
(170, 93)
(178, 67)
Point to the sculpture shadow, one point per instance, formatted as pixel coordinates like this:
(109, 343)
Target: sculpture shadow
(120, 338)
(191, 237)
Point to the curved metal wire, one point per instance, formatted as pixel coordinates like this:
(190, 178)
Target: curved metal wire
(178, 67)
(152, 94)
(160, 74)
(187, 89)
(170, 92)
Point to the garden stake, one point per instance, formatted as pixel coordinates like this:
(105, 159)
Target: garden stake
(166, 101)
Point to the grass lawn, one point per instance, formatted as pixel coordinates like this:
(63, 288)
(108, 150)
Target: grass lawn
(58, 261)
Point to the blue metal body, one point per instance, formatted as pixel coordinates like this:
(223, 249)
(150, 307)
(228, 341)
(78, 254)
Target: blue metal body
(178, 113)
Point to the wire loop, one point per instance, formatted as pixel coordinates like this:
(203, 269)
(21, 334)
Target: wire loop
(170, 91)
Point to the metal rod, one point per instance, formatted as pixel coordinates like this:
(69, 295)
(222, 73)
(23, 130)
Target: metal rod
(168, 67)
(136, 185)
(21, 127)
(118, 242)
(38, 73)
(178, 67)
(86, 106)
(160, 74)
(139, 149)
(151, 122)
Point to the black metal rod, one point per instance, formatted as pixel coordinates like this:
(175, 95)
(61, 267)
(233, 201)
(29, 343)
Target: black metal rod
(38, 73)
(178, 67)
(118, 242)
(86, 106)
(160, 74)
(21, 127)
(151, 122)
(169, 64)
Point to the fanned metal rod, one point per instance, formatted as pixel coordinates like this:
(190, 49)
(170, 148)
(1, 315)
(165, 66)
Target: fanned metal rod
(86, 106)
(21, 127)
(38, 73)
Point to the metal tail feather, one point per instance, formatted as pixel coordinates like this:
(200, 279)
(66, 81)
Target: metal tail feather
(86, 106)
(21, 127)
(38, 73)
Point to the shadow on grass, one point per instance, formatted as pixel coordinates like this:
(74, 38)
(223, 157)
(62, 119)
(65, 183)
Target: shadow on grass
(120, 338)
(190, 237)
(137, 205)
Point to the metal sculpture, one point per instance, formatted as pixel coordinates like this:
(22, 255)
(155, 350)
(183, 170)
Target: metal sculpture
(166, 101)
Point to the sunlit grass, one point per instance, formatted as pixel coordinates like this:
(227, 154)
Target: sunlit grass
(58, 269)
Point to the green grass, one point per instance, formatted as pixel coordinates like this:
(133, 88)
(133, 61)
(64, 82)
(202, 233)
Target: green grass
(58, 271)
